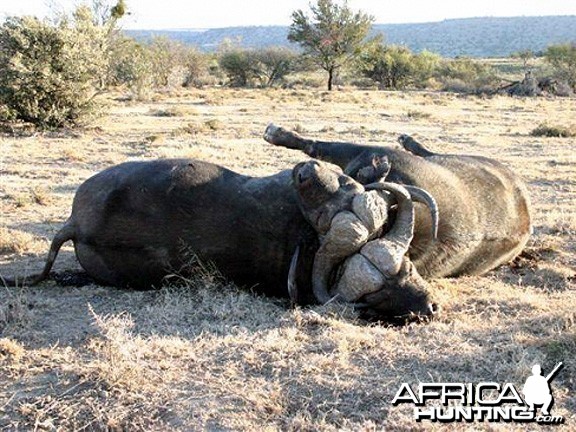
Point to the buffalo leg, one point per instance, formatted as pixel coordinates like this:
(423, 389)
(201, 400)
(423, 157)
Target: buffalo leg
(338, 153)
(413, 146)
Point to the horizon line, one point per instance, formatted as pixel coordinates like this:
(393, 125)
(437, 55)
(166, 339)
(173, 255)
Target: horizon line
(203, 29)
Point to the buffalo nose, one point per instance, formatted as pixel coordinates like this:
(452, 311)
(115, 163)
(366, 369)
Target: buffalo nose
(306, 172)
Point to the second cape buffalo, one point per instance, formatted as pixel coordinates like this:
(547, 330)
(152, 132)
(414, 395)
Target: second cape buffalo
(484, 207)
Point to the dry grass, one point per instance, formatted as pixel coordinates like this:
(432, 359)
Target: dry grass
(20, 242)
(205, 355)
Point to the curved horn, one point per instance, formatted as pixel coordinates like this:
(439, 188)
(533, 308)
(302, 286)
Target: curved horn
(380, 260)
(419, 195)
(320, 273)
(292, 286)
(346, 236)
(423, 196)
(403, 229)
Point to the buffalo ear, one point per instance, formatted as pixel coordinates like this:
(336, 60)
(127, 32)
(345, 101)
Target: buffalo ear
(381, 165)
(376, 171)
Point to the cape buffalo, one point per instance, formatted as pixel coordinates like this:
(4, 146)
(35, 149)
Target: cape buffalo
(131, 222)
(484, 208)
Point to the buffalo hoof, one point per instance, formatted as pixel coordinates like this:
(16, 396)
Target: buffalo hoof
(281, 137)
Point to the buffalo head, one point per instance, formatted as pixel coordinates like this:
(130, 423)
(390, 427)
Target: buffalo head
(356, 262)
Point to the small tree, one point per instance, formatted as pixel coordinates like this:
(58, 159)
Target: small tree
(264, 67)
(105, 13)
(132, 66)
(239, 67)
(196, 65)
(333, 36)
(395, 67)
(563, 59)
(425, 66)
(526, 56)
(166, 56)
(390, 66)
(101, 28)
(273, 64)
(464, 75)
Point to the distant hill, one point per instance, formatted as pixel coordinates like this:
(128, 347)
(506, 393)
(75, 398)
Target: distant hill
(472, 37)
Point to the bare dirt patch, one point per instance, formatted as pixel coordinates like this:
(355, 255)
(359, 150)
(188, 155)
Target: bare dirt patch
(78, 356)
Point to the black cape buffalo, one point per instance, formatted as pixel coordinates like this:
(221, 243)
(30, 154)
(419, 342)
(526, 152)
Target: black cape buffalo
(484, 207)
(133, 223)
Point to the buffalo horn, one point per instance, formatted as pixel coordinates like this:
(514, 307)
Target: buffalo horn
(418, 195)
(292, 287)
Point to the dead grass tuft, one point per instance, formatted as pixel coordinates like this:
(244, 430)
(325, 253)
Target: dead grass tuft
(560, 222)
(20, 242)
(40, 195)
(10, 350)
(213, 124)
(191, 129)
(418, 115)
(72, 154)
(173, 111)
(118, 352)
(14, 312)
(155, 139)
(214, 99)
(20, 199)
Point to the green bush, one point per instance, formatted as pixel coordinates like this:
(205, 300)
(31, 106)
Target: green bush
(166, 59)
(464, 75)
(562, 58)
(50, 73)
(161, 63)
(132, 67)
(425, 66)
(549, 131)
(396, 67)
(264, 67)
(273, 64)
(196, 66)
(238, 67)
(389, 66)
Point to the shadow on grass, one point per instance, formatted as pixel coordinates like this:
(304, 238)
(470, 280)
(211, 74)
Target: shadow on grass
(538, 267)
(250, 354)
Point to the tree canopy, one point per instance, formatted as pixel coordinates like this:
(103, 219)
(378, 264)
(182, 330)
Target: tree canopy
(332, 35)
(563, 59)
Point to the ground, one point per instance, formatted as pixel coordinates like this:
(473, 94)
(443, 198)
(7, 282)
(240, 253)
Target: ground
(211, 356)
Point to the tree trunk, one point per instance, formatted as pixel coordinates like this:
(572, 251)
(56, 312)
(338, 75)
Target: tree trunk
(330, 78)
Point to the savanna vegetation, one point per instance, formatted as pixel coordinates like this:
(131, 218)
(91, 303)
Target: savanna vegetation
(52, 72)
(203, 354)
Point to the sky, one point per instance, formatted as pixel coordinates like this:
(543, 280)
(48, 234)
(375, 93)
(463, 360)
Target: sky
(198, 14)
